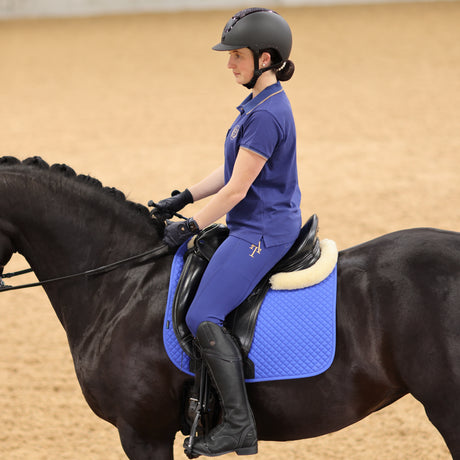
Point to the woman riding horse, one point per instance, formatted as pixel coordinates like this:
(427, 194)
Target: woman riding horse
(257, 188)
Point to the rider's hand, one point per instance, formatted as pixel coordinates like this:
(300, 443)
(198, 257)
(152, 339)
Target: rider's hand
(178, 200)
(177, 233)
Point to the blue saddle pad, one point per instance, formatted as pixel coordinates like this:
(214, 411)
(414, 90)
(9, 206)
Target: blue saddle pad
(294, 335)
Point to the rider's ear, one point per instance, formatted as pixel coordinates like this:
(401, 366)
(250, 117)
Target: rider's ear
(265, 59)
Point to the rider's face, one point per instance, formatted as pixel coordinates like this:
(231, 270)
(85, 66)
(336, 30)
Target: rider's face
(241, 62)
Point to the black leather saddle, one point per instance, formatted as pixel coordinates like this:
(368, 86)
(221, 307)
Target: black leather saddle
(241, 322)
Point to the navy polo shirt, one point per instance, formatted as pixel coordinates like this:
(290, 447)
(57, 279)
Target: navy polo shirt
(271, 208)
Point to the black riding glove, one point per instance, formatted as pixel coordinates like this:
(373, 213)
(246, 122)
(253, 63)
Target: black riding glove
(174, 203)
(177, 233)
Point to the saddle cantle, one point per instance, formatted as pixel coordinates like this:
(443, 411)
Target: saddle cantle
(303, 254)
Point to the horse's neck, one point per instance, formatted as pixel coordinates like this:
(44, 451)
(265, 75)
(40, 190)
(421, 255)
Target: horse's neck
(64, 242)
(61, 234)
(61, 227)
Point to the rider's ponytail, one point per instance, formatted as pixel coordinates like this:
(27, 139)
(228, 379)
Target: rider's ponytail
(285, 71)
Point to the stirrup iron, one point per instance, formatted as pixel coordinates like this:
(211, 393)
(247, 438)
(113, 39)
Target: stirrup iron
(202, 405)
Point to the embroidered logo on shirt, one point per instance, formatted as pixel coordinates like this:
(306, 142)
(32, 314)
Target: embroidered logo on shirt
(235, 132)
(255, 249)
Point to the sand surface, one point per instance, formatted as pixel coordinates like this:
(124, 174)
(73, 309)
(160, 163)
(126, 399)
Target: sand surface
(142, 103)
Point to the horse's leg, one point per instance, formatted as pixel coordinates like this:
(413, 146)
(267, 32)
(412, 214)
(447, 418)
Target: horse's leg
(431, 370)
(442, 407)
(138, 447)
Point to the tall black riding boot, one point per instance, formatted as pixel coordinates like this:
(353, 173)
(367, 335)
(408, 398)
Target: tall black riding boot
(237, 432)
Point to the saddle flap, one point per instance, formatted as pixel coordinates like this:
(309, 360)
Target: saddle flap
(189, 281)
(196, 260)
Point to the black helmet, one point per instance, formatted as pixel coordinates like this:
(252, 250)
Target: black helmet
(259, 30)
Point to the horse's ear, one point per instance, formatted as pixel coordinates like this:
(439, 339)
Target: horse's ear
(9, 161)
(37, 162)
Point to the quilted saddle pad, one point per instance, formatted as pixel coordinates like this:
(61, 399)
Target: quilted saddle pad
(295, 333)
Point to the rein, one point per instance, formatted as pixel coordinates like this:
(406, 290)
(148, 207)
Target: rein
(156, 253)
(21, 272)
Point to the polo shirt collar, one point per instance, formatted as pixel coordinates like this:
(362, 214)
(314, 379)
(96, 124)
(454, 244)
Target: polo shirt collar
(251, 103)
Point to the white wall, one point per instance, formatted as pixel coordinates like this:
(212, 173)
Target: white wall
(39, 8)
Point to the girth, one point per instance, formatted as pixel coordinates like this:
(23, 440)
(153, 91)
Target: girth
(241, 322)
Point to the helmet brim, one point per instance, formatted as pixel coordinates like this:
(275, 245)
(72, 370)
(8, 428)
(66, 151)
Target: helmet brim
(223, 47)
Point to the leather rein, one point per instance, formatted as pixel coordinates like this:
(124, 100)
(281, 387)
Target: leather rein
(153, 253)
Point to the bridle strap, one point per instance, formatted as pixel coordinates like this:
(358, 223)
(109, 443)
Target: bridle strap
(155, 253)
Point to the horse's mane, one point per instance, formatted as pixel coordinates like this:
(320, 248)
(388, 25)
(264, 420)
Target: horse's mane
(66, 171)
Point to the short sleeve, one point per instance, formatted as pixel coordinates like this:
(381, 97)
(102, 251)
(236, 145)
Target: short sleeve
(261, 134)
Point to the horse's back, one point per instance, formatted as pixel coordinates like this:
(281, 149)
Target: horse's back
(410, 275)
(408, 282)
(427, 257)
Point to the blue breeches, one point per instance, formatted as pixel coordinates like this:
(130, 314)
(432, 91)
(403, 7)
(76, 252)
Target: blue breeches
(233, 272)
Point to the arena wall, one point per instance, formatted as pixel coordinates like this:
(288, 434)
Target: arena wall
(56, 8)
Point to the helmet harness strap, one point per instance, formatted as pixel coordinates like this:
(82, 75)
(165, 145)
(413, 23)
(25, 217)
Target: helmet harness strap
(258, 72)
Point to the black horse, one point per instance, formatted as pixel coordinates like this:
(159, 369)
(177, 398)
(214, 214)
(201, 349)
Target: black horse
(398, 317)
